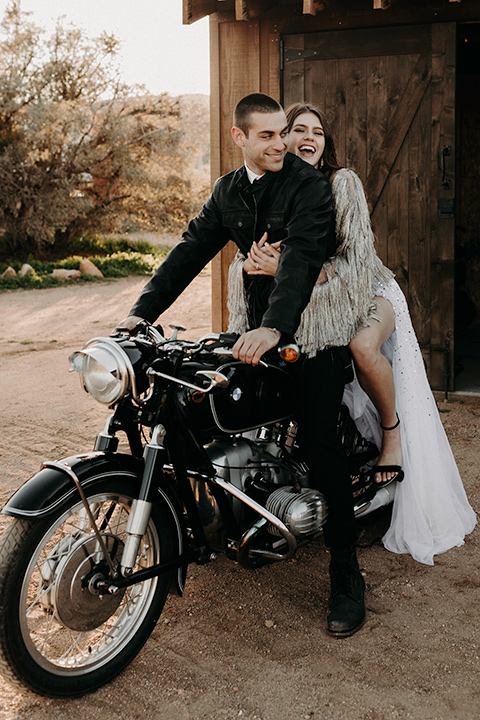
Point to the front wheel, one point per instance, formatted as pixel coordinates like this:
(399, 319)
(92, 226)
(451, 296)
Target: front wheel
(58, 635)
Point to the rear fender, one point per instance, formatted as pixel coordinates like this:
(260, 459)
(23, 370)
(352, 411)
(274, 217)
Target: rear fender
(53, 485)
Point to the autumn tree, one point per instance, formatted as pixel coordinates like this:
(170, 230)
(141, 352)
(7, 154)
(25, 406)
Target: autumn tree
(78, 148)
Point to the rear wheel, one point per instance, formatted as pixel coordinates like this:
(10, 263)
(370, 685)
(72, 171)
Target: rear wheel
(58, 635)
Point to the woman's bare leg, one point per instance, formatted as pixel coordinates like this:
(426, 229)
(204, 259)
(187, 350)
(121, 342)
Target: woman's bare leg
(375, 376)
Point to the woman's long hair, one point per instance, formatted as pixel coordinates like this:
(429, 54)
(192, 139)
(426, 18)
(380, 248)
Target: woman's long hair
(328, 162)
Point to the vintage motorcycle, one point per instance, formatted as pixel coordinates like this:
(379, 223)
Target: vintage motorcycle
(100, 538)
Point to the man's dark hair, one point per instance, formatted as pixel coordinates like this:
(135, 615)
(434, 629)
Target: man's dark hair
(256, 102)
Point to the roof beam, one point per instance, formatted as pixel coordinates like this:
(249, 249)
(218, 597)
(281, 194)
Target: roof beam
(311, 7)
(249, 9)
(194, 10)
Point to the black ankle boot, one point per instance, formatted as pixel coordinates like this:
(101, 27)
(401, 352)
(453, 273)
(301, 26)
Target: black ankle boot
(347, 608)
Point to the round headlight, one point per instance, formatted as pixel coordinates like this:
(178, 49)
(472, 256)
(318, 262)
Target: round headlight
(105, 370)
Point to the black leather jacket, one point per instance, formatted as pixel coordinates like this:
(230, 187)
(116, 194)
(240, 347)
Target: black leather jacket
(293, 205)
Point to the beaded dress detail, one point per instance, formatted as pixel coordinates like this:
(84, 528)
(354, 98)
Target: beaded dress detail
(431, 512)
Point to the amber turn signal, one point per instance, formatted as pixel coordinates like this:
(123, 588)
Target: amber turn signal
(289, 353)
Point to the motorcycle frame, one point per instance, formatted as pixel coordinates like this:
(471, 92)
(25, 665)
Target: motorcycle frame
(157, 470)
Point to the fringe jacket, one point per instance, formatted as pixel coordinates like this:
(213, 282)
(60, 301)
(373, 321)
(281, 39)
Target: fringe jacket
(342, 305)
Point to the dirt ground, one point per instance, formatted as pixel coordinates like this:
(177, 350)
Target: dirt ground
(245, 644)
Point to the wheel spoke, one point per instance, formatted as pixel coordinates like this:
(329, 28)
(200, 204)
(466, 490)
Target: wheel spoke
(68, 636)
(57, 643)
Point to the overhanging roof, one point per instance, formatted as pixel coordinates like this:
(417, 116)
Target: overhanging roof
(249, 9)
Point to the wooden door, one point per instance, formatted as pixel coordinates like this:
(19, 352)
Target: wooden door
(389, 95)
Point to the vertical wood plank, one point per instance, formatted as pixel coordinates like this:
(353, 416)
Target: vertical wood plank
(317, 82)
(419, 222)
(294, 73)
(274, 76)
(397, 217)
(338, 112)
(442, 230)
(378, 74)
(356, 117)
(396, 188)
(234, 81)
(241, 41)
(270, 60)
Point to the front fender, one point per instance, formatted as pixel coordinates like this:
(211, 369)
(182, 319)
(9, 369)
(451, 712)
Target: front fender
(49, 487)
(52, 485)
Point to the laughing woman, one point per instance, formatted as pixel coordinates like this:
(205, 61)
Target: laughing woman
(356, 302)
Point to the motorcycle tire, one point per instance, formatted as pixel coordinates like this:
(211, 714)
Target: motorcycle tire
(58, 636)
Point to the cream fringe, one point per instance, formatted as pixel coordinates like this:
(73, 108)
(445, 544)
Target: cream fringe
(344, 304)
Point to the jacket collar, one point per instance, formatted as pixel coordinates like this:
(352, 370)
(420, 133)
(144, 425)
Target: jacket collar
(258, 187)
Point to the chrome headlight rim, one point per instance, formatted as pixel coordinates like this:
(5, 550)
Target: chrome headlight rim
(126, 374)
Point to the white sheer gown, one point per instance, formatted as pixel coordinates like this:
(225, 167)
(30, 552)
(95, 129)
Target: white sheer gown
(431, 512)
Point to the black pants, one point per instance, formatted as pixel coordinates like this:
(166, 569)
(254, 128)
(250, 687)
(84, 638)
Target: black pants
(322, 381)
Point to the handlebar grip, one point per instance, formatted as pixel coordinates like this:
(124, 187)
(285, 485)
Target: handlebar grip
(121, 330)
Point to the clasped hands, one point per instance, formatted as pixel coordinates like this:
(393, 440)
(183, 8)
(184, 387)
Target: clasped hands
(262, 258)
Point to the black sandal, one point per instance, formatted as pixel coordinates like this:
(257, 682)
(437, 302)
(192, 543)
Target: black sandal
(397, 469)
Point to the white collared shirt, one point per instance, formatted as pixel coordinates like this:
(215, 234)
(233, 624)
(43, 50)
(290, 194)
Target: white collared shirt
(251, 175)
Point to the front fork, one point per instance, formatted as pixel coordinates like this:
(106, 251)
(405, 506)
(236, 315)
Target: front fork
(154, 456)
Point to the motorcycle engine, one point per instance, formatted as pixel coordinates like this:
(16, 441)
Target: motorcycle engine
(302, 510)
(268, 475)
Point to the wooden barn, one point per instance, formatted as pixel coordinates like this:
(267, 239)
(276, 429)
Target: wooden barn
(399, 81)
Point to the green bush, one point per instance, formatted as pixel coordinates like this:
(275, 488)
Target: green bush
(119, 263)
(100, 245)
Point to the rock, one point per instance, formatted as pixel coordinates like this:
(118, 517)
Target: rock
(87, 267)
(25, 270)
(9, 273)
(63, 274)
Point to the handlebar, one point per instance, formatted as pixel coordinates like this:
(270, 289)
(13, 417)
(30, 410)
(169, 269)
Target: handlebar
(217, 343)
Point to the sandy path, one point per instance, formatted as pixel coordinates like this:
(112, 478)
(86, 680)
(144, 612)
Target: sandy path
(211, 655)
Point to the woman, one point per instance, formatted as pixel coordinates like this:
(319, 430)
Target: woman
(357, 302)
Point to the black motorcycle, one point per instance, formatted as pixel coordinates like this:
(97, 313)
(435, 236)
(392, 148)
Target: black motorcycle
(99, 539)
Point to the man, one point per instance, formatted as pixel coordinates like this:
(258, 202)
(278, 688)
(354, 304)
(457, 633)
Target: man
(278, 193)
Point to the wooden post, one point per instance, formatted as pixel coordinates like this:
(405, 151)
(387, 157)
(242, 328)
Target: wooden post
(230, 82)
